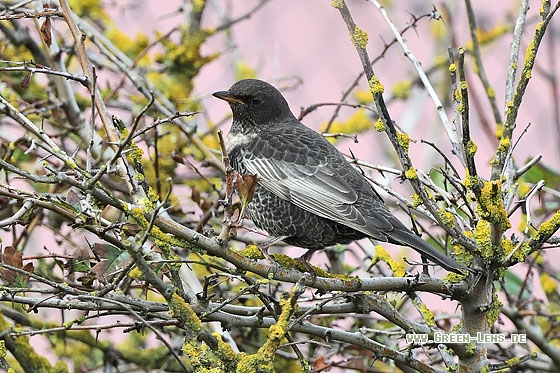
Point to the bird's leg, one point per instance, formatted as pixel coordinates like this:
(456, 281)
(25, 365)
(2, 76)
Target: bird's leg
(304, 259)
(425, 265)
(263, 247)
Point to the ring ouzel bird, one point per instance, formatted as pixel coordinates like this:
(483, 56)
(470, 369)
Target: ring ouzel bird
(308, 194)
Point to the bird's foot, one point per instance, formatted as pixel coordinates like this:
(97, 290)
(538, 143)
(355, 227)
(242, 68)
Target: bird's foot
(309, 269)
(263, 247)
(274, 264)
(304, 259)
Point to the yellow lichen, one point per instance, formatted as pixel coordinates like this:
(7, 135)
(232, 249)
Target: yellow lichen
(494, 311)
(227, 357)
(491, 205)
(252, 252)
(404, 140)
(358, 122)
(476, 67)
(429, 193)
(549, 285)
(513, 361)
(70, 163)
(482, 236)
(198, 6)
(469, 350)
(244, 71)
(522, 226)
(363, 97)
(359, 38)
(181, 310)
(382, 255)
(471, 182)
(518, 252)
(146, 205)
(135, 273)
(453, 278)
(288, 262)
(93, 9)
(164, 241)
(401, 89)
(410, 173)
(428, 315)
(485, 36)
(452, 68)
(471, 148)
(184, 59)
(262, 360)
(499, 130)
(457, 95)
(446, 217)
(192, 350)
(338, 4)
(416, 200)
(375, 86)
(379, 125)
(204, 360)
(462, 255)
(547, 228)
(152, 195)
(31, 360)
(530, 55)
(504, 145)
(135, 152)
(131, 47)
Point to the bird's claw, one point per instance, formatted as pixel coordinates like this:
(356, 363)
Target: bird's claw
(274, 264)
(303, 260)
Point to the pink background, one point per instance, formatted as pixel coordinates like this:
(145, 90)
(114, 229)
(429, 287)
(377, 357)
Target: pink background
(308, 39)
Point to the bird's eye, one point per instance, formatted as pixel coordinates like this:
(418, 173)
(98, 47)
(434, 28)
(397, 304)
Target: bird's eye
(256, 101)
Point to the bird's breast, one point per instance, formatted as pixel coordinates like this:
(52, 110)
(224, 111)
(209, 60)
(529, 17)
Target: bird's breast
(236, 143)
(238, 140)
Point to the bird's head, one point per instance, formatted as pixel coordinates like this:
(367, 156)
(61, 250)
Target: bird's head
(255, 103)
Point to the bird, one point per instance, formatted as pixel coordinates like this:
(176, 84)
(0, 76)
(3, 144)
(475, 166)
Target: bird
(307, 193)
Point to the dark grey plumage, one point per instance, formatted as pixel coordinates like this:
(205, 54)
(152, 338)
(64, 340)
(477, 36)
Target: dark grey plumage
(307, 191)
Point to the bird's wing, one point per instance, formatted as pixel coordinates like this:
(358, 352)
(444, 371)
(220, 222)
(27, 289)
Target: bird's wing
(317, 188)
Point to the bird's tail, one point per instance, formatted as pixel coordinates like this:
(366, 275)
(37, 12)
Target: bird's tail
(406, 237)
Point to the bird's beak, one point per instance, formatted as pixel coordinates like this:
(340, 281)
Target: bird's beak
(227, 96)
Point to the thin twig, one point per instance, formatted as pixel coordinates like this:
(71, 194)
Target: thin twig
(480, 66)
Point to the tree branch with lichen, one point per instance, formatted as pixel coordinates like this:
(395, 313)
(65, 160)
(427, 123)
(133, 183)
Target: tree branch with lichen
(385, 123)
(513, 106)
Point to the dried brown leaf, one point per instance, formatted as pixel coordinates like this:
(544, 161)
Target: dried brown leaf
(100, 271)
(101, 249)
(195, 195)
(246, 185)
(46, 31)
(207, 204)
(131, 229)
(320, 365)
(82, 253)
(25, 81)
(178, 157)
(13, 257)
